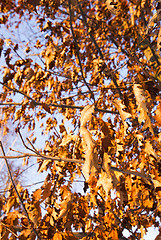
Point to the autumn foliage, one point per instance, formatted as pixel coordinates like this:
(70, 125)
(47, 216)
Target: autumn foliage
(87, 78)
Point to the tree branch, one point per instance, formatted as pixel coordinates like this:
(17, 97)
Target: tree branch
(50, 104)
(99, 51)
(133, 57)
(74, 160)
(77, 50)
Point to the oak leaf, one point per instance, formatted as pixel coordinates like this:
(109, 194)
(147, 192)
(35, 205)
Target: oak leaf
(37, 195)
(46, 107)
(57, 236)
(44, 165)
(124, 115)
(141, 101)
(156, 183)
(149, 149)
(68, 138)
(65, 205)
(140, 96)
(105, 181)
(46, 191)
(91, 158)
(120, 106)
(86, 114)
(158, 114)
(113, 6)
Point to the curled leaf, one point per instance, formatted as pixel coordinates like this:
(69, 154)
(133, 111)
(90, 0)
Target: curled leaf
(91, 158)
(87, 137)
(149, 149)
(86, 114)
(140, 96)
(90, 164)
(141, 101)
(105, 181)
(124, 115)
(158, 114)
(65, 205)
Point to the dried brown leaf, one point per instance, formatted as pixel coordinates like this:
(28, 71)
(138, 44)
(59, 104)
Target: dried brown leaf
(65, 205)
(87, 136)
(149, 149)
(90, 164)
(46, 107)
(140, 96)
(159, 41)
(113, 6)
(91, 158)
(156, 183)
(141, 101)
(124, 115)
(46, 191)
(37, 195)
(158, 114)
(86, 114)
(43, 166)
(68, 138)
(105, 181)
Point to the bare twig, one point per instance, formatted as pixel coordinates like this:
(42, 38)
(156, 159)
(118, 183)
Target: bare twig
(18, 130)
(59, 159)
(32, 145)
(22, 204)
(43, 157)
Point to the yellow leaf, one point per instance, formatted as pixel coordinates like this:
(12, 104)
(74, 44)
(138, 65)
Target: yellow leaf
(65, 205)
(67, 139)
(46, 192)
(57, 236)
(158, 114)
(37, 195)
(44, 166)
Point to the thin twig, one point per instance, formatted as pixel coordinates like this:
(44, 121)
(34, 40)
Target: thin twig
(59, 159)
(9, 230)
(32, 145)
(18, 130)
(22, 204)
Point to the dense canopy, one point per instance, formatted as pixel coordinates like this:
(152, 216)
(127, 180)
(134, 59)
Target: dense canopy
(84, 78)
